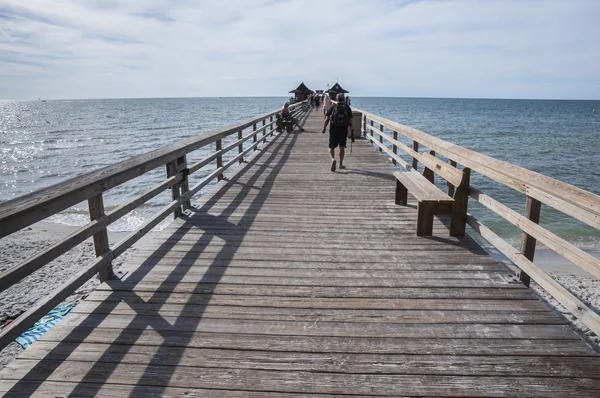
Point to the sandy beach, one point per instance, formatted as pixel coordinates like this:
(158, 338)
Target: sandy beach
(21, 297)
(583, 285)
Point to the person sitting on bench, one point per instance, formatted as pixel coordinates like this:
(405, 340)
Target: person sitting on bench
(287, 116)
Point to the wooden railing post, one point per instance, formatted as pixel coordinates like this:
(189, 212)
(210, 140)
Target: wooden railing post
(381, 137)
(184, 184)
(415, 162)
(364, 125)
(240, 146)
(264, 129)
(219, 146)
(101, 243)
(532, 212)
(171, 171)
(371, 130)
(449, 187)
(254, 139)
(428, 173)
(271, 122)
(394, 147)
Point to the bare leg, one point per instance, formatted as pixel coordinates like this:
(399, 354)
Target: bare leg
(342, 156)
(332, 153)
(298, 124)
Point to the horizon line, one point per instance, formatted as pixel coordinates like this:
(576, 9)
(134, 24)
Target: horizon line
(283, 96)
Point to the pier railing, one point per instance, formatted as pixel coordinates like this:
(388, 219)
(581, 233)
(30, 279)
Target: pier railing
(26, 210)
(538, 189)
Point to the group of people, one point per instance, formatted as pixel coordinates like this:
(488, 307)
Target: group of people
(339, 119)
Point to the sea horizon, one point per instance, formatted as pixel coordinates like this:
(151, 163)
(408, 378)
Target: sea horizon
(288, 96)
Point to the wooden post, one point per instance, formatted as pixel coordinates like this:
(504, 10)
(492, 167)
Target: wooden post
(101, 243)
(449, 187)
(381, 137)
(271, 128)
(184, 184)
(532, 212)
(254, 139)
(401, 194)
(240, 146)
(219, 146)
(458, 215)
(394, 147)
(428, 173)
(171, 171)
(425, 212)
(264, 129)
(364, 126)
(415, 162)
(371, 129)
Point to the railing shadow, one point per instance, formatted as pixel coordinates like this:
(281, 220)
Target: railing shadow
(105, 366)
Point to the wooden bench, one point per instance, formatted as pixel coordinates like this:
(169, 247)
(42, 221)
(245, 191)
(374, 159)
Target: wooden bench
(281, 124)
(431, 200)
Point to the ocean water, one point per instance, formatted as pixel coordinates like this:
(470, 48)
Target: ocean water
(46, 142)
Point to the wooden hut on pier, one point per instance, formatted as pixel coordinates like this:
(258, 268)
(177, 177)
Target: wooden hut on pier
(335, 90)
(301, 93)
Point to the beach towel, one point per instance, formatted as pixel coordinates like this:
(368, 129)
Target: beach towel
(43, 325)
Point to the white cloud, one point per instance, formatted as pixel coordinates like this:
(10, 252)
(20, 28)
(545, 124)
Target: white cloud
(152, 48)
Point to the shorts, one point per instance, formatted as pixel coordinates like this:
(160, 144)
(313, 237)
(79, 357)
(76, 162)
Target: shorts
(338, 136)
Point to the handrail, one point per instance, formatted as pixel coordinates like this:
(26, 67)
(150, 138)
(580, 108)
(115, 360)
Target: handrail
(538, 189)
(576, 202)
(21, 212)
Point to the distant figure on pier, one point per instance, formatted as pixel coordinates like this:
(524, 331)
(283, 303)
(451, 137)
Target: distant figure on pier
(326, 105)
(317, 102)
(340, 117)
(287, 116)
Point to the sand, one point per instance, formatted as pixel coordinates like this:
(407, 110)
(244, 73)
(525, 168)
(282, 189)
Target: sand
(22, 296)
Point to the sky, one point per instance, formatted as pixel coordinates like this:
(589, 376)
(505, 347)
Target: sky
(393, 48)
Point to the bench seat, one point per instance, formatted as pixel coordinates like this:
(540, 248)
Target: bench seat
(431, 200)
(421, 188)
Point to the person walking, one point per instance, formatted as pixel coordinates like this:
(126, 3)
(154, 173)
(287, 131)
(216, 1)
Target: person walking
(339, 117)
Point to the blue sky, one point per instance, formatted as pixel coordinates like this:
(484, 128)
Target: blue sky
(437, 48)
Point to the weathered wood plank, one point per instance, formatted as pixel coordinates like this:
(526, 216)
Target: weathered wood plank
(327, 344)
(85, 389)
(323, 328)
(301, 382)
(517, 291)
(317, 362)
(467, 304)
(318, 315)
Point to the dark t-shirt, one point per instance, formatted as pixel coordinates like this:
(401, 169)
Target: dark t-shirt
(330, 112)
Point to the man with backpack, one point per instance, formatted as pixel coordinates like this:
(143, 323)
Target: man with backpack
(340, 118)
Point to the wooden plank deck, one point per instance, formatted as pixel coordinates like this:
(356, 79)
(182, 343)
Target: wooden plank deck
(291, 280)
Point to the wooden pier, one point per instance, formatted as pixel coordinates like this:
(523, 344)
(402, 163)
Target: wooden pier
(287, 279)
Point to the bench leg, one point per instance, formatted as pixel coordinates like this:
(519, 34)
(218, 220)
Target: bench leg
(458, 221)
(401, 194)
(458, 217)
(425, 213)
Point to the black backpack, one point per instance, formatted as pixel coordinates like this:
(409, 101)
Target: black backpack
(339, 116)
